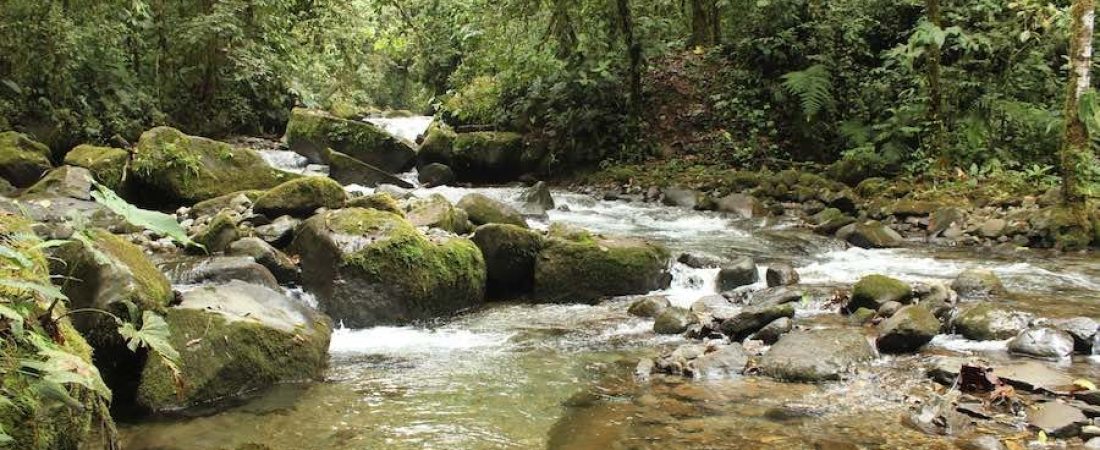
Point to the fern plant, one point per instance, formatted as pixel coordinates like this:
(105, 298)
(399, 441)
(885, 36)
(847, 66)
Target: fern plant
(814, 89)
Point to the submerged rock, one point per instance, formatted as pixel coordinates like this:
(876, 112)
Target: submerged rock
(510, 255)
(312, 133)
(584, 268)
(235, 339)
(977, 283)
(907, 330)
(22, 160)
(816, 355)
(369, 267)
(484, 210)
(1048, 343)
(739, 272)
(170, 167)
(988, 322)
(301, 197)
(651, 306)
(873, 291)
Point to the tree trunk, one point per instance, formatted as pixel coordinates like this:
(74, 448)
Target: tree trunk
(935, 93)
(1075, 146)
(634, 53)
(704, 23)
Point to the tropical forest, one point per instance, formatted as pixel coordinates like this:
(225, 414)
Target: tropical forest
(549, 224)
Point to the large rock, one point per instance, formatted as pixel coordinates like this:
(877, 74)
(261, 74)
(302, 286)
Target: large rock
(873, 291)
(680, 196)
(436, 212)
(235, 339)
(585, 268)
(435, 174)
(781, 274)
(754, 318)
(537, 199)
(944, 218)
(674, 320)
(1057, 419)
(830, 220)
(22, 160)
(34, 418)
(510, 254)
(490, 157)
(873, 234)
(907, 330)
(1083, 330)
(745, 206)
(301, 197)
(816, 355)
(64, 181)
(739, 272)
(978, 283)
(484, 210)
(107, 165)
(312, 133)
(369, 267)
(170, 167)
(989, 322)
(348, 170)
(1046, 343)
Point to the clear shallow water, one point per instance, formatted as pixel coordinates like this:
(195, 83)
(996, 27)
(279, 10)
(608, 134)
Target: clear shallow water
(558, 376)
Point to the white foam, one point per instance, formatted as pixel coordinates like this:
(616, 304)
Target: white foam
(958, 343)
(407, 128)
(405, 340)
(285, 160)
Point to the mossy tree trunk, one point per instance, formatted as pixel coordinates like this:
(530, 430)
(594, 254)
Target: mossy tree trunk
(1075, 147)
(634, 53)
(705, 24)
(935, 93)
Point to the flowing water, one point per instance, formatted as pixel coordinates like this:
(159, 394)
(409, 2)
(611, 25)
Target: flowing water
(512, 376)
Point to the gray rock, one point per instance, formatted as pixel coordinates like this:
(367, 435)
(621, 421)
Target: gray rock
(698, 261)
(1083, 329)
(752, 319)
(1047, 343)
(773, 331)
(781, 274)
(678, 196)
(650, 306)
(1034, 376)
(281, 266)
(816, 355)
(742, 205)
(218, 270)
(775, 296)
(674, 320)
(483, 210)
(435, 211)
(985, 442)
(435, 174)
(65, 181)
(537, 199)
(740, 272)
(714, 306)
(993, 228)
(978, 283)
(1057, 419)
(830, 221)
(279, 232)
(936, 298)
(907, 331)
(726, 361)
(889, 308)
(945, 218)
(873, 234)
(989, 322)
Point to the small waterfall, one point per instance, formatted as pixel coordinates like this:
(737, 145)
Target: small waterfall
(407, 128)
(689, 284)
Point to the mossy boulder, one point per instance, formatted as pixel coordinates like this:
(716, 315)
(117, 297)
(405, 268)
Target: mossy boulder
(490, 156)
(830, 220)
(510, 254)
(22, 160)
(437, 147)
(348, 170)
(484, 210)
(989, 322)
(64, 181)
(873, 291)
(108, 165)
(907, 330)
(235, 339)
(589, 268)
(435, 174)
(369, 267)
(222, 230)
(978, 283)
(1062, 227)
(378, 200)
(311, 133)
(32, 417)
(301, 197)
(170, 167)
(437, 212)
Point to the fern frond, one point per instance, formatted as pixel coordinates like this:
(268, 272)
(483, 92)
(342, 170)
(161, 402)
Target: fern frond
(813, 86)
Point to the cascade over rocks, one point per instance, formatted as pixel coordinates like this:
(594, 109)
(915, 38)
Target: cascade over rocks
(170, 167)
(235, 339)
(22, 160)
(312, 133)
(369, 267)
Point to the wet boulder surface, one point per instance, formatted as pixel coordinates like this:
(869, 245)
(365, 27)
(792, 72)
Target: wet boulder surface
(816, 355)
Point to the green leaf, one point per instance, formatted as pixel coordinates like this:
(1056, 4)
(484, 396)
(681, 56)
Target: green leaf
(154, 335)
(150, 220)
(64, 368)
(16, 320)
(813, 87)
(49, 291)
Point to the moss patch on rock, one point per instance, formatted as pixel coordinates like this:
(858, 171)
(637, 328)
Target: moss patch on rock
(22, 160)
(312, 133)
(484, 210)
(873, 291)
(379, 200)
(437, 212)
(370, 267)
(173, 168)
(301, 197)
(108, 165)
(489, 156)
(586, 270)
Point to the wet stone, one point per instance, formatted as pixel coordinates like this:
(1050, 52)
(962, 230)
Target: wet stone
(651, 306)
(674, 321)
(1057, 419)
(1082, 329)
(1047, 343)
(781, 275)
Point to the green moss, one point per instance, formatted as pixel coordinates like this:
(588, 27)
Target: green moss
(151, 290)
(489, 156)
(873, 291)
(586, 271)
(484, 210)
(437, 212)
(1066, 228)
(108, 165)
(22, 160)
(177, 168)
(312, 133)
(438, 145)
(380, 201)
(35, 420)
(219, 233)
(224, 359)
(301, 197)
